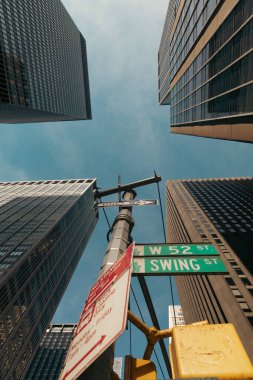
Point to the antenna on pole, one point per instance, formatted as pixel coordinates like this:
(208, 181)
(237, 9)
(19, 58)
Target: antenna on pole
(119, 183)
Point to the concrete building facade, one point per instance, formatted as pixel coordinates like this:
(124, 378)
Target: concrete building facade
(217, 211)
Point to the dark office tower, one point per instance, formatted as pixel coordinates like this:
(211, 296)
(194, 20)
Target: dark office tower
(217, 211)
(44, 227)
(205, 68)
(49, 359)
(43, 64)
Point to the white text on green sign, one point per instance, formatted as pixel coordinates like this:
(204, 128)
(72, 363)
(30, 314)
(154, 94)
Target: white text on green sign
(174, 250)
(158, 266)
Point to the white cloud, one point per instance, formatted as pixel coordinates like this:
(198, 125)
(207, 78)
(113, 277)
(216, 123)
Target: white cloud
(122, 38)
(11, 172)
(122, 42)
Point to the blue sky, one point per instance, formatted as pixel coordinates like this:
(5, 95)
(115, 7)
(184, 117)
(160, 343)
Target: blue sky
(129, 135)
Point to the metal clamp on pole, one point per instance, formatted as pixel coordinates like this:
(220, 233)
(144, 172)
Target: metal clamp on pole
(128, 218)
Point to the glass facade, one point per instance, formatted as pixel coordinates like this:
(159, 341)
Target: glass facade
(207, 78)
(217, 211)
(45, 226)
(229, 206)
(49, 359)
(223, 65)
(164, 50)
(43, 63)
(193, 18)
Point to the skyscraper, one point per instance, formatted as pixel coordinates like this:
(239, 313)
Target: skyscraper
(176, 318)
(204, 66)
(217, 211)
(49, 359)
(43, 64)
(45, 226)
(117, 366)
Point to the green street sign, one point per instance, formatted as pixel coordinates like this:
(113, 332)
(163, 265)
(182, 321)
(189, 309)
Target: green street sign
(174, 250)
(174, 265)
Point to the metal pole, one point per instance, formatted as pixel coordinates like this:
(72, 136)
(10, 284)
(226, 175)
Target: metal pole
(121, 230)
(154, 319)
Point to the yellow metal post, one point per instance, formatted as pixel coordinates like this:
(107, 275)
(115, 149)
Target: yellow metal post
(139, 369)
(152, 334)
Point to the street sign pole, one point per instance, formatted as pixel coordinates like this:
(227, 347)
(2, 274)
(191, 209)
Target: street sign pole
(120, 238)
(101, 368)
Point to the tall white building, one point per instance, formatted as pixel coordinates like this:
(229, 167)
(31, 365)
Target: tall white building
(117, 366)
(176, 317)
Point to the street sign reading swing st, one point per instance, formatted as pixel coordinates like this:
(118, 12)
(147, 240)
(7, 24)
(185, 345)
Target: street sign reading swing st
(174, 265)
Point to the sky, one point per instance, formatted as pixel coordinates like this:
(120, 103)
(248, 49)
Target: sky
(128, 136)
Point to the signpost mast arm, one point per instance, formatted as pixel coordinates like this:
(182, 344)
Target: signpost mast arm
(127, 187)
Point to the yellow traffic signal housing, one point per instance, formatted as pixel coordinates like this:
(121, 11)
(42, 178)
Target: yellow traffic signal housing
(209, 351)
(139, 369)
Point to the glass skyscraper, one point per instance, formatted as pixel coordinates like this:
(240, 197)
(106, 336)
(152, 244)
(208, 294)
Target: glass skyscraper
(217, 211)
(50, 357)
(205, 68)
(44, 226)
(43, 63)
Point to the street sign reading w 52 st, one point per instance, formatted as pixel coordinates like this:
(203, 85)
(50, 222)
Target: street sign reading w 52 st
(174, 250)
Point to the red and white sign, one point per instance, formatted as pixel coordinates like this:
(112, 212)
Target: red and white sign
(103, 319)
(110, 277)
